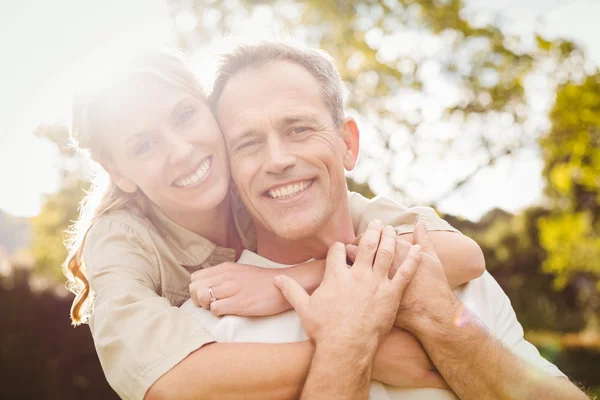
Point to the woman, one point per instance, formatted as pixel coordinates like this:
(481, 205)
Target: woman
(166, 212)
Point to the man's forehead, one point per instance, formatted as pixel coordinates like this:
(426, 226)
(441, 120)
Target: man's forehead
(278, 90)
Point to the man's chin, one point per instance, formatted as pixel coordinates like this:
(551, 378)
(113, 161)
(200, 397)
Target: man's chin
(294, 230)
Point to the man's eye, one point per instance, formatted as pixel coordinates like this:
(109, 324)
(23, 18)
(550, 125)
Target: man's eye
(247, 144)
(144, 147)
(298, 130)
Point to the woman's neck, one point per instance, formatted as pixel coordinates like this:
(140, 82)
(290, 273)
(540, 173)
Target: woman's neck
(216, 225)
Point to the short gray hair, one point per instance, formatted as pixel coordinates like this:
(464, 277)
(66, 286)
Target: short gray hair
(317, 62)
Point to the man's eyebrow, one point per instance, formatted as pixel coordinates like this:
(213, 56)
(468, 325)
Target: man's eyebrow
(293, 119)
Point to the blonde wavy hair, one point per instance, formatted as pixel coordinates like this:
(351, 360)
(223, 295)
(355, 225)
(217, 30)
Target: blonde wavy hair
(92, 114)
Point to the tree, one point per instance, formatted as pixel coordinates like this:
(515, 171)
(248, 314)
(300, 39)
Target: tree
(60, 209)
(571, 151)
(433, 85)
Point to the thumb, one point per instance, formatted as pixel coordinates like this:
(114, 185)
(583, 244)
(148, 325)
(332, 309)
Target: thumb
(293, 293)
(422, 238)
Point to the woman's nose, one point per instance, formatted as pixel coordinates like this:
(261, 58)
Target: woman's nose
(180, 149)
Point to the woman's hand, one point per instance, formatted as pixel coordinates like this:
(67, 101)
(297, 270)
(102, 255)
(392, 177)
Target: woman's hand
(240, 289)
(246, 290)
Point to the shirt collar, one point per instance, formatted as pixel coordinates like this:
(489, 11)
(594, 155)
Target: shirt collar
(192, 249)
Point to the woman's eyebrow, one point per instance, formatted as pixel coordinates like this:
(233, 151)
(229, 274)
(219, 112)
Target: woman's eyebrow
(138, 135)
(177, 107)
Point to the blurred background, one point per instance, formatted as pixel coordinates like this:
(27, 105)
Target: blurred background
(487, 110)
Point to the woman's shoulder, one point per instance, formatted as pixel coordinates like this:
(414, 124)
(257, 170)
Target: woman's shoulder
(120, 226)
(120, 238)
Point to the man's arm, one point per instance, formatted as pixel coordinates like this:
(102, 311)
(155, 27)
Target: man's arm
(473, 362)
(477, 365)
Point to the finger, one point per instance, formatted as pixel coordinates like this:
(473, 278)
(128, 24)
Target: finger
(351, 251)
(385, 253)
(407, 269)
(356, 240)
(368, 245)
(422, 238)
(202, 274)
(336, 260)
(220, 292)
(222, 307)
(293, 293)
(193, 296)
(199, 288)
(402, 248)
(217, 270)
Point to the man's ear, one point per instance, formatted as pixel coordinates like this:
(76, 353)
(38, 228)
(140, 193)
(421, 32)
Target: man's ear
(351, 138)
(123, 183)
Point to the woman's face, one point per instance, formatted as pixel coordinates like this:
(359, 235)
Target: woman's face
(167, 144)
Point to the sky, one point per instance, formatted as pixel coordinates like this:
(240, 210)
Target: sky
(46, 43)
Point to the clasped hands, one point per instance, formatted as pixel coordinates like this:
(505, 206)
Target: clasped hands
(249, 291)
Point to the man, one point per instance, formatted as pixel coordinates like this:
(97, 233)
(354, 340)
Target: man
(289, 145)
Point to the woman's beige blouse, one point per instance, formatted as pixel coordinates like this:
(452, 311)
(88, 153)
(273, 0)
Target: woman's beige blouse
(140, 274)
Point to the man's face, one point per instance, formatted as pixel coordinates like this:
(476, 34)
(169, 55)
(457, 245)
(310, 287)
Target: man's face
(287, 157)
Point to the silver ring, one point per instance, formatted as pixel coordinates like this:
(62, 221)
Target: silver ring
(212, 295)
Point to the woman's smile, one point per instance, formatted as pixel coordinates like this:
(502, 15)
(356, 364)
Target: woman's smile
(196, 177)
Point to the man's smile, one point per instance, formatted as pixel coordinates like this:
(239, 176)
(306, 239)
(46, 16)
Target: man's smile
(289, 190)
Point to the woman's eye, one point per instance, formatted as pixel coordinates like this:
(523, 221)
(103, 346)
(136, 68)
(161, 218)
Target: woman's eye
(185, 115)
(144, 147)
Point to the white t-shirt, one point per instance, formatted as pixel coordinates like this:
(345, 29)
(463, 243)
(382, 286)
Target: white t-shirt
(483, 296)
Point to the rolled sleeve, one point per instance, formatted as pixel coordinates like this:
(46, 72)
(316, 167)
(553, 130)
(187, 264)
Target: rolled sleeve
(138, 334)
(402, 218)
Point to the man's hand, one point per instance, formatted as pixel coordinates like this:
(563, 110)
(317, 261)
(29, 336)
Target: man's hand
(429, 293)
(350, 313)
(354, 303)
(401, 251)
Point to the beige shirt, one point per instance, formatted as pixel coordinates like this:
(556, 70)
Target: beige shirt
(140, 274)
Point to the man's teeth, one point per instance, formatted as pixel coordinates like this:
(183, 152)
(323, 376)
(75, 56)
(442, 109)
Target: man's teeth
(289, 191)
(195, 177)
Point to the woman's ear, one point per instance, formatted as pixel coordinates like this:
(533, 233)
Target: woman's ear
(122, 182)
(351, 138)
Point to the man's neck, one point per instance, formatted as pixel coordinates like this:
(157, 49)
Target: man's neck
(339, 228)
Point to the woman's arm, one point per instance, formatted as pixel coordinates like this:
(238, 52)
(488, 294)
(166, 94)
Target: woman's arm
(249, 290)
(264, 371)
(237, 371)
(460, 255)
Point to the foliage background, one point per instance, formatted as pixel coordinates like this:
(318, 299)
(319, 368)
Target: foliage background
(434, 88)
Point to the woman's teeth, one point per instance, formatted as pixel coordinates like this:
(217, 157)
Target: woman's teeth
(196, 176)
(290, 190)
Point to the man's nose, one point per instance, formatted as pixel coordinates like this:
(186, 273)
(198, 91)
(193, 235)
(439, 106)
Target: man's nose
(279, 159)
(180, 149)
